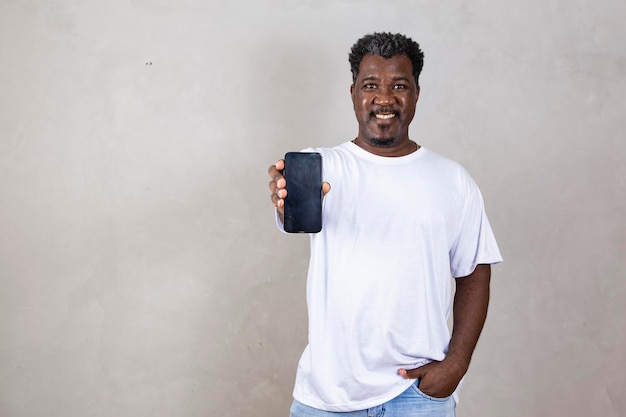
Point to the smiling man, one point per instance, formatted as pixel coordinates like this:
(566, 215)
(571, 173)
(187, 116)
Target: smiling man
(384, 94)
(399, 224)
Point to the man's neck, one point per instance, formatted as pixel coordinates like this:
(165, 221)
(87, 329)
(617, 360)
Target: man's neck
(405, 148)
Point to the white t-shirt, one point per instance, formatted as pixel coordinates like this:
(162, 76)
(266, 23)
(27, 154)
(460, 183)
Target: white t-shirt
(379, 287)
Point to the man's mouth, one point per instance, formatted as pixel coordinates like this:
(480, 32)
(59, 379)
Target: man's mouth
(384, 113)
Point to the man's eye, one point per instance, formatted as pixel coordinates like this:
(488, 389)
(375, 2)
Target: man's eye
(399, 86)
(370, 86)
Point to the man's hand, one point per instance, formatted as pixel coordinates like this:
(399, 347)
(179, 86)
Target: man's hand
(278, 183)
(437, 379)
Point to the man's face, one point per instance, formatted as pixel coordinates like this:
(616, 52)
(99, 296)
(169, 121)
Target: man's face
(384, 96)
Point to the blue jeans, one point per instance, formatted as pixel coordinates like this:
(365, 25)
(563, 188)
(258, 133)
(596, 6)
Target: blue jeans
(411, 403)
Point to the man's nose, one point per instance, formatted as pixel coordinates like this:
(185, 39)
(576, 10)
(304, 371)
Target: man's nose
(384, 97)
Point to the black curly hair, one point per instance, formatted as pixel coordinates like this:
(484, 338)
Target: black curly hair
(387, 45)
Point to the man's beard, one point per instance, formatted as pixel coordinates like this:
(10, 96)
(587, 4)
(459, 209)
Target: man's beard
(383, 142)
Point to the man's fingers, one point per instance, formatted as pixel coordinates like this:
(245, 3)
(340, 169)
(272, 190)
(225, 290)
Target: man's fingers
(277, 184)
(278, 166)
(278, 194)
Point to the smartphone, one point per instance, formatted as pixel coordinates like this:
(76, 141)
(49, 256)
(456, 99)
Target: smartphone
(303, 204)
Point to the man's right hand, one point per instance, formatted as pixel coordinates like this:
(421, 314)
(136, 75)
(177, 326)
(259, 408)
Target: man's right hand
(278, 183)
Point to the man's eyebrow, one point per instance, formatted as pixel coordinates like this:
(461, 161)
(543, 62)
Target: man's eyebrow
(370, 78)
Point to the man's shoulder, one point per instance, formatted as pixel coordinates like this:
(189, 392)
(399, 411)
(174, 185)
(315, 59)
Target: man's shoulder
(447, 169)
(439, 161)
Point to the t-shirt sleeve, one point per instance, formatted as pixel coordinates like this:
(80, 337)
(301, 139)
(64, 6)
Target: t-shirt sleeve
(279, 222)
(475, 242)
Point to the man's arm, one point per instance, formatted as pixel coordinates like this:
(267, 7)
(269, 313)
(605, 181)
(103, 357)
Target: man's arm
(440, 379)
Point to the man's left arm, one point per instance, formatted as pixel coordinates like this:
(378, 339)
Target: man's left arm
(471, 299)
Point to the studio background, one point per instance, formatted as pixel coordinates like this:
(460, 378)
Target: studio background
(141, 273)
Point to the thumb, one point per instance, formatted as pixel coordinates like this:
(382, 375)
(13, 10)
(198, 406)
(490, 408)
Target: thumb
(325, 188)
(411, 373)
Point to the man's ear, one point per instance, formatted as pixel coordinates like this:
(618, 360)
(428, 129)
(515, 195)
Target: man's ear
(352, 92)
(417, 93)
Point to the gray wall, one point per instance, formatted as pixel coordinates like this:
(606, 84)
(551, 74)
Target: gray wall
(140, 270)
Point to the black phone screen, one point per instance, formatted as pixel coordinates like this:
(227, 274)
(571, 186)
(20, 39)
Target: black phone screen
(303, 204)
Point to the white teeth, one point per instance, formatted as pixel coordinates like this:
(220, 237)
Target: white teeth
(385, 116)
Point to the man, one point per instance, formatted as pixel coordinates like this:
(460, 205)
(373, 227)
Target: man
(399, 222)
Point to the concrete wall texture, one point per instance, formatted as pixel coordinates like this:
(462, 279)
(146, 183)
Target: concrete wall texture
(141, 273)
